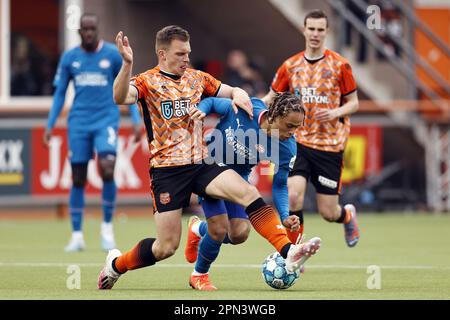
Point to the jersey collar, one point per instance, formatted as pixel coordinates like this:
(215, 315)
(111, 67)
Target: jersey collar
(260, 117)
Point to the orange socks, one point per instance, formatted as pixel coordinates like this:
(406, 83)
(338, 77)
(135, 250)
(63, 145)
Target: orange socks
(138, 257)
(267, 223)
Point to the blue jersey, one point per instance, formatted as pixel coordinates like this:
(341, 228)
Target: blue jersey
(93, 75)
(239, 142)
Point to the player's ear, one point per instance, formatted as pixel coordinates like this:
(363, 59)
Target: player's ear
(161, 54)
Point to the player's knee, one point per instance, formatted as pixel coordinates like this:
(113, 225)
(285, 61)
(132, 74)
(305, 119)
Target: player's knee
(166, 250)
(108, 175)
(240, 235)
(217, 231)
(79, 175)
(107, 168)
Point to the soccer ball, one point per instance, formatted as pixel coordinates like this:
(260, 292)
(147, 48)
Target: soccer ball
(275, 273)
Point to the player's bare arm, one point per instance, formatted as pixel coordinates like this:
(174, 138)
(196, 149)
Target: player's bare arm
(350, 106)
(239, 96)
(123, 94)
(268, 98)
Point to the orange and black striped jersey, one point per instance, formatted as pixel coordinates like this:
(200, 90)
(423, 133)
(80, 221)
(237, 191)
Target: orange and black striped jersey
(322, 84)
(164, 100)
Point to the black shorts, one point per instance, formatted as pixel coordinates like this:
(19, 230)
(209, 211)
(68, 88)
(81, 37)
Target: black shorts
(323, 168)
(172, 186)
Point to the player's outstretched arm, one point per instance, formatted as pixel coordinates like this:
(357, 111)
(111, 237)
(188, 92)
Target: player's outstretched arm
(122, 92)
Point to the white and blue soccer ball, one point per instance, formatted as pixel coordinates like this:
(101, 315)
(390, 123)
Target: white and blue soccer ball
(275, 273)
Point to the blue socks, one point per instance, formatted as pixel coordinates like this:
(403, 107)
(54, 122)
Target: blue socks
(208, 251)
(108, 200)
(76, 204)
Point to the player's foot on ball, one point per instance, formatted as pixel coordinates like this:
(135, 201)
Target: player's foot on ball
(201, 282)
(351, 228)
(299, 253)
(191, 250)
(108, 276)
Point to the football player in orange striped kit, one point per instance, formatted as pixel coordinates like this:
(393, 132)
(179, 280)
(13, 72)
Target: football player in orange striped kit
(325, 81)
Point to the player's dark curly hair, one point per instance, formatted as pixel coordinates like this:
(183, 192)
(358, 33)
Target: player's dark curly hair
(283, 104)
(165, 36)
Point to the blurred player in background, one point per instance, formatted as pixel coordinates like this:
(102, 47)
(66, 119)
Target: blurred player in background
(241, 143)
(92, 124)
(326, 84)
(178, 155)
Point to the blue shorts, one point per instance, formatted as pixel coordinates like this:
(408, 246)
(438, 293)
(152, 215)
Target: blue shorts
(83, 142)
(213, 207)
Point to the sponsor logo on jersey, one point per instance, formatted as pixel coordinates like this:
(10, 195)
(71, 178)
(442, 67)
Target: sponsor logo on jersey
(92, 79)
(76, 64)
(310, 95)
(104, 64)
(175, 108)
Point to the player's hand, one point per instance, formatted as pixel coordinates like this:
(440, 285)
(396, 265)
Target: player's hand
(137, 132)
(324, 115)
(123, 45)
(242, 100)
(292, 223)
(47, 136)
(196, 114)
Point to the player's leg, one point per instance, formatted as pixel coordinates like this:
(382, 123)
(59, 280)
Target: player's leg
(229, 185)
(146, 252)
(239, 224)
(297, 188)
(106, 145)
(216, 226)
(80, 152)
(171, 190)
(326, 178)
(297, 182)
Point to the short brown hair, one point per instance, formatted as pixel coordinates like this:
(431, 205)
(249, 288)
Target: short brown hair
(316, 14)
(166, 35)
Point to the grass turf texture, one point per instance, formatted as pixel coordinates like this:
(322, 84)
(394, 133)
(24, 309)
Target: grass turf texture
(412, 251)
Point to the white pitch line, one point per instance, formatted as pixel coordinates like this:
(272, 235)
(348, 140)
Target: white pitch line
(246, 266)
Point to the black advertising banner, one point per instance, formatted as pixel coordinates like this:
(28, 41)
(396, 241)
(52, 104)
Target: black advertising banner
(15, 161)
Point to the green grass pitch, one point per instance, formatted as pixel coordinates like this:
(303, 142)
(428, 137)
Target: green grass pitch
(412, 252)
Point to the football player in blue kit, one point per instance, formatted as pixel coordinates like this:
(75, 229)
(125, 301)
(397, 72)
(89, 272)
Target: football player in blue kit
(241, 142)
(93, 123)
